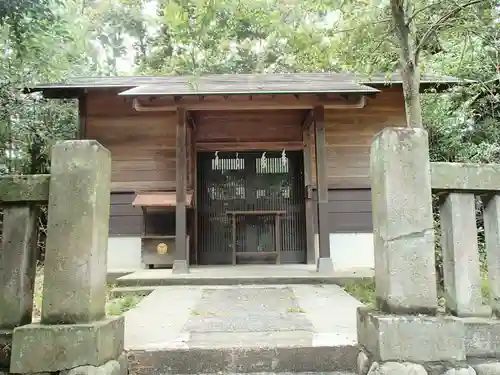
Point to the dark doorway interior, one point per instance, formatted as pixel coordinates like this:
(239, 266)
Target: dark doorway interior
(250, 181)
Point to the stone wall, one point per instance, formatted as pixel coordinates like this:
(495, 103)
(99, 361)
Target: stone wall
(74, 335)
(409, 332)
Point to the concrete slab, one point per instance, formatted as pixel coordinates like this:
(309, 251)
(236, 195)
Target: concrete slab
(243, 275)
(250, 327)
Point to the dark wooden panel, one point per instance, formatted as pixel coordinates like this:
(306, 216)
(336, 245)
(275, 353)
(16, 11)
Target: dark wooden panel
(125, 226)
(349, 210)
(249, 126)
(125, 219)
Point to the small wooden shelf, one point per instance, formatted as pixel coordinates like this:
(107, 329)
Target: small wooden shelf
(277, 234)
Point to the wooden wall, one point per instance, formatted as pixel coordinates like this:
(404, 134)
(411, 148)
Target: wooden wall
(142, 144)
(349, 134)
(249, 126)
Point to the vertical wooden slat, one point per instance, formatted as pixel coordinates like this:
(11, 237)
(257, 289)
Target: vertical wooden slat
(18, 264)
(321, 176)
(492, 236)
(180, 265)
(233, 218)
(194, 172)
(311, 257)
(278, 238)
(462, 279)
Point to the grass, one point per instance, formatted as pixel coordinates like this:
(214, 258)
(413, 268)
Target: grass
(114, 306)
(296, 310)
(364, 291)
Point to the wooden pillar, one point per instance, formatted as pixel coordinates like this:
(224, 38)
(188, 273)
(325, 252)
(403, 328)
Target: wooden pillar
(309, 205)
(180, 262)
(324, 261)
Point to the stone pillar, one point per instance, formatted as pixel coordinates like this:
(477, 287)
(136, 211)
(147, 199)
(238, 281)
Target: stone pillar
(492, 236)
(405, 274)
(404, 336)
(462, 278)
(73, 310)
(17, 272)
(78, 221)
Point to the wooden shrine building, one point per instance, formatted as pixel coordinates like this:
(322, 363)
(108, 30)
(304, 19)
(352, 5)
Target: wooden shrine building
(237, 169)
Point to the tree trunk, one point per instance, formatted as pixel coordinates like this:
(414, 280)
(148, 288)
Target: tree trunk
(402, 12)
(410, 73)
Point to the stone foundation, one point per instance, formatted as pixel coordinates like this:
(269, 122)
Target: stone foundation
(113, 367)
(427, 345)
(470, 367)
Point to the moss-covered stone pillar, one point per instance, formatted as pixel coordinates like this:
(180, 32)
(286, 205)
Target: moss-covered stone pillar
(74, 330)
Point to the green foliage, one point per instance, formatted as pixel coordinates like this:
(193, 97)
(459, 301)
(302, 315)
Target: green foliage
(50, 40)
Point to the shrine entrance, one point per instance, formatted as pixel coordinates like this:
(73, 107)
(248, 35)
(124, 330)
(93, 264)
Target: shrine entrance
(251, 207)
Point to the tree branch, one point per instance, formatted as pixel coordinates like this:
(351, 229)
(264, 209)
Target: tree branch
(418, 11)
(443, 18)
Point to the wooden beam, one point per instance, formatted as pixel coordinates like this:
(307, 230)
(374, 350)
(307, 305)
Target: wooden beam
(180, 263)
(25, 188)
(243, 102)
(322, 183)
(308, 198)
(247, 146)
(308, 120)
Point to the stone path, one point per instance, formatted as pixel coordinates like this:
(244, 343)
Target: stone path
(190, 316)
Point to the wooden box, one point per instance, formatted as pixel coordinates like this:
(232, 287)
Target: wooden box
(159, 251)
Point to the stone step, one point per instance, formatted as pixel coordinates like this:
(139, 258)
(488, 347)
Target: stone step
(131, 281)
(336, 360)
(242, 275)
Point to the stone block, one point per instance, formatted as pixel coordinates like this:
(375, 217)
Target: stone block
(78, 220)
(482, 337)
(5, 348)
(491, 217)
(411, 338)
(403, 224)
(397, 368)
(49, 348)
(18, 264)
(487, 368)
(462, 279)
(112, 367)
(460, 371)
(478, 178)
(325, 266)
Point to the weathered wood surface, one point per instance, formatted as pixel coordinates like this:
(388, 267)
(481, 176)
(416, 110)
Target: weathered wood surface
(349, 133)
(181, 174)
(24, 188)
(247, 102)
(142, 144)
(321, 173)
